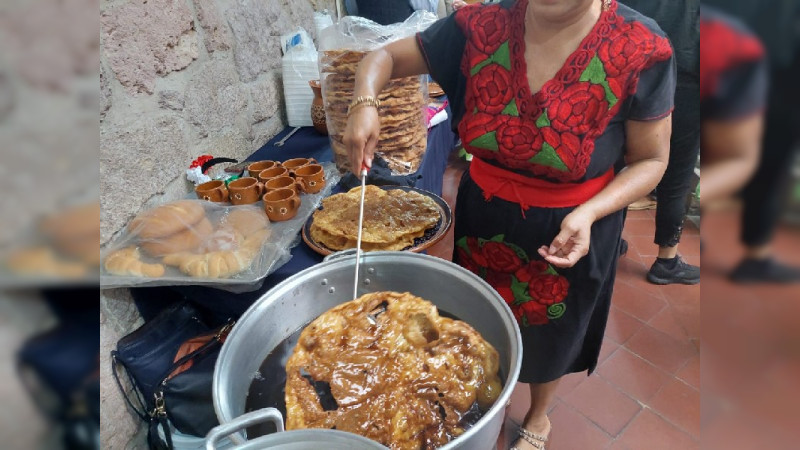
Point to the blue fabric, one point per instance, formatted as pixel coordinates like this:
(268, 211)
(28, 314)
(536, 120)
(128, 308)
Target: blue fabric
(219, 305)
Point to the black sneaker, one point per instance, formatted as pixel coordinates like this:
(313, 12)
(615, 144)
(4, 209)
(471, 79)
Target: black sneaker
(764, 271)
(673, 271)
(623, 248)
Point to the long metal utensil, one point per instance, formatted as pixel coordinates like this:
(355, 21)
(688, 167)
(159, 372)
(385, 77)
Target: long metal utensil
(360, 225)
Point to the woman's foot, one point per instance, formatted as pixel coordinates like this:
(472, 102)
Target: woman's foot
(532, 435)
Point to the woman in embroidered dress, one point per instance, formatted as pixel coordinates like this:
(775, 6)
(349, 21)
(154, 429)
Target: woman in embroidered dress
(547, 95)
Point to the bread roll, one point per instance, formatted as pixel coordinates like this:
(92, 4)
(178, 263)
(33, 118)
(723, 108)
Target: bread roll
(41, 261)
(183, 241)
(247, 220)
(219, 264)
(168, 219)
(126, 262)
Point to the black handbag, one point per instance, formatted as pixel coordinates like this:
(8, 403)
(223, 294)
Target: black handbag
(169, 390)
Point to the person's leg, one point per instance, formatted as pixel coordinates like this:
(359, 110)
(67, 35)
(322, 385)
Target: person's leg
(536, 423)
(673, 190)
(763, 194)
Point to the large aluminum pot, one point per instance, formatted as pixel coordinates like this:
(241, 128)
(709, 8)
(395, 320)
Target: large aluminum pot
(303, 297)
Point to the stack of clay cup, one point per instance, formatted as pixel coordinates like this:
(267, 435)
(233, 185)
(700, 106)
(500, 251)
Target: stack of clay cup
(283, 183)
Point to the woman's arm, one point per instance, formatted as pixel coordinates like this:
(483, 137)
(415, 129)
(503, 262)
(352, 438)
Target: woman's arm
(399, 59)
(647, 145)
(731, 151)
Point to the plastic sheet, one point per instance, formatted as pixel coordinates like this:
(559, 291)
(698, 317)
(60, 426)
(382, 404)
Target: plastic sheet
(403, 137)
(195, 242)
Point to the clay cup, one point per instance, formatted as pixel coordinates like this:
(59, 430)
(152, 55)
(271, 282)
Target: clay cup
(281, 204)
(245, 191)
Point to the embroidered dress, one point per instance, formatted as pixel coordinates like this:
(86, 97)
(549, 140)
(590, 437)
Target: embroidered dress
(539, 155)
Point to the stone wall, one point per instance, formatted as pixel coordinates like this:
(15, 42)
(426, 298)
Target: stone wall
(178, 79)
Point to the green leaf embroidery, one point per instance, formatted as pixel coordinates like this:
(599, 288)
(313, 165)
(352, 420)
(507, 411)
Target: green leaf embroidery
(550, 270)
(543, 120)
(477, 67)
(556, 310)
(487, 141)
(520, 291)
(463, 244)
(481, 241)
(519, 251)
(594, 72)
(511, 109)
(525, 321)
(501, 56)
(498, 238)
(610, 97)
(547, 156)
(483, 272)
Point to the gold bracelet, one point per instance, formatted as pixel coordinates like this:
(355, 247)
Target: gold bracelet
(363, 100)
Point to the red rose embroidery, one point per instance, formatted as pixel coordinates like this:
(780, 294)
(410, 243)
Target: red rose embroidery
(570, 74)
(518, 139)
(519, 313)
(579, 108)
(593, 41)
(616, 88)
(548, 289)
(552, 90)
(500, 257)
(489, 29)
(581, 58)
(475, 250)
(465, 15)
(604, 29)
(492, 88)
(627, 51)
(566, 145)
(530, 271)
(535, 312)
(501, 282)
(466, 262)
(477, 125)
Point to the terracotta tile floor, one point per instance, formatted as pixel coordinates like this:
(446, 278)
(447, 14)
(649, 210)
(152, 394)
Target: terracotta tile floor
(644, 394)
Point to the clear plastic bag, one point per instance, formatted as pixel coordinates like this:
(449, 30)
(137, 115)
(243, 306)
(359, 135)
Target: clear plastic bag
(403, 137)
(196, 242)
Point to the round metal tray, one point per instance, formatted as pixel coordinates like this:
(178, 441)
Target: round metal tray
(432, 235)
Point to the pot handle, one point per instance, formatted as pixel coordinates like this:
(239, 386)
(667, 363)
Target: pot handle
(242, 422)
(340, 254)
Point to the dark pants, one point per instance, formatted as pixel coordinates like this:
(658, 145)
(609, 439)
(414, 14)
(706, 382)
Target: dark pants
(673, 189)
(764, 194)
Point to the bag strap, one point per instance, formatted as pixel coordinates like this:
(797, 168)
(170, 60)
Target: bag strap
(114, 362)
(154, 441)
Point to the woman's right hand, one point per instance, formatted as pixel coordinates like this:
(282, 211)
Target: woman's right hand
(361, 136)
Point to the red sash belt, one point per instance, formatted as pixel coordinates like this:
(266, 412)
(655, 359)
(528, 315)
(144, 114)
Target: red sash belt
(527, 191)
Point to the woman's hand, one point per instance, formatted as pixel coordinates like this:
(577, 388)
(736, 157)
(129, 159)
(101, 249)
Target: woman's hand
(572, 243)
(458, 4)
(361, 136)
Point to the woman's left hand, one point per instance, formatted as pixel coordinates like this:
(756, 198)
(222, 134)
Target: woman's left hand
(572, 243)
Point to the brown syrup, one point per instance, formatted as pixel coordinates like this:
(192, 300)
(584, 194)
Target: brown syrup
(267, 390)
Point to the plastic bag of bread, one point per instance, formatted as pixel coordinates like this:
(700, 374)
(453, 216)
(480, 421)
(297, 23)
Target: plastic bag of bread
(404, 134)
(192, 242)
(197, 242)
(61, 247)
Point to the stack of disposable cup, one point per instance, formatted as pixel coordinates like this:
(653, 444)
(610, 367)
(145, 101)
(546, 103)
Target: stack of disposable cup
(299, 66)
